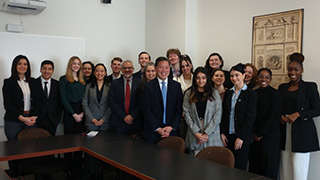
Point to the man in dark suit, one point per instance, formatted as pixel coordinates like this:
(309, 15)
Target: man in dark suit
(48, 98)
(162, 104)
(124, 102)
(144, 58)
(116, 67)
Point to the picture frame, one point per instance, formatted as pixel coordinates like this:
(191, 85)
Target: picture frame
(275, 37)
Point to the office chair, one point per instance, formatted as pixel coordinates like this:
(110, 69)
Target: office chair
(173, 142)
(45, 165)
(217, 154)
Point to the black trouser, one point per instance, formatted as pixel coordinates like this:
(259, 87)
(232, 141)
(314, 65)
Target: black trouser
(241, 155)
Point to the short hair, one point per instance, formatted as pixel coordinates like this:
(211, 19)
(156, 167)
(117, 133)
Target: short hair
(144, 52)
(265, 69)
(14, 72)
(47, 62)
(296, 57)
(116, 59)
(160, 59)
(173, 51)
(239, 67)
(126, 61)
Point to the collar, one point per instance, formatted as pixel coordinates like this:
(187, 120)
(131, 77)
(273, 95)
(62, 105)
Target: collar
(43, 80)
(245, 87)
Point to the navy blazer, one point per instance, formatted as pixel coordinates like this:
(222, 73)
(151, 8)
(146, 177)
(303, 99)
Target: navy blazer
(153, 109)
(304, 133)
(116, 101)
(52, 105)
(13, 99)
(137, 75)
(244, 116)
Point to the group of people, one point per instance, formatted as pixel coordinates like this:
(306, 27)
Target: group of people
(208, 106)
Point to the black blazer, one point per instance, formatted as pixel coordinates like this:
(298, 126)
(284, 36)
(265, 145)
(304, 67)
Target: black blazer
(109, 78)
(13, 99)
(116, 101)
(153, 109)
(304, 133)
(245, 114)
(52, 105)
(137, 75)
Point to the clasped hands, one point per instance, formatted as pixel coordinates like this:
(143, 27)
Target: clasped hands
(78, 117)
(164, 132)
(97, 123)
(202, 138)
(29, 121)
(290, 118)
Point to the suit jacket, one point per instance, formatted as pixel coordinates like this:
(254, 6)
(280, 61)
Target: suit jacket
(109, 78)
(13, 99)
(137, 75)
(211, 122)
(244, 115)
(117, 103)
(51, 106)
(153, 109)
(304, 133)
(95, 110)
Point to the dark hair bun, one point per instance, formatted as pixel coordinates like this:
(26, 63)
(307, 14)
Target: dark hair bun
(296, 57)
(239, 67)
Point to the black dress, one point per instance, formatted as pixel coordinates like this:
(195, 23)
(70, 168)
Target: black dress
(264, 154)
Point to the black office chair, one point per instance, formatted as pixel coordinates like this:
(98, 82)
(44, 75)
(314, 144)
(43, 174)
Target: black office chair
(217, 154)
(173, 142)
(41, 166)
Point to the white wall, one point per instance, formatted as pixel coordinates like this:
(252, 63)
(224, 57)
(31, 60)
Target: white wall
(109, 30)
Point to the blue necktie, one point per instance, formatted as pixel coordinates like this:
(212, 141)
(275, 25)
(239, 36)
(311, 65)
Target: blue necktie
(164, 98)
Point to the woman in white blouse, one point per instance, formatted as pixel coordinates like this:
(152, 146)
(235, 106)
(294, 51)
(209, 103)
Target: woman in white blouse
(19, 104)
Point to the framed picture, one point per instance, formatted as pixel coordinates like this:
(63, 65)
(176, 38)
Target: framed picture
(275, 37)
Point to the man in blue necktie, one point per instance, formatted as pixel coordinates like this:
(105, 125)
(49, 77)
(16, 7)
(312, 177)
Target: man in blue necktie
(162, 104)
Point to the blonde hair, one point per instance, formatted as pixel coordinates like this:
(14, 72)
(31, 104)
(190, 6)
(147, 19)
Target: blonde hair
(69, 76)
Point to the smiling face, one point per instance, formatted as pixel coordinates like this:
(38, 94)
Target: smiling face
(163, 70)
(87, 70)
(249, 74)
(46, 71)
(264, 79)
(127, 69)
(215, 62)
(295, 71)
(218, 78)
(237, 78)
(143, 60)
(100, 73)
(186, 67)
(76, 65)
(116, 66)
(150, 73)
(22, 67)
(173, 58)
(201, 80)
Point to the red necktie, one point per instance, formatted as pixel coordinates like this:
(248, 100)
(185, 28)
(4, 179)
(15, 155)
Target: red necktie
(127, 101)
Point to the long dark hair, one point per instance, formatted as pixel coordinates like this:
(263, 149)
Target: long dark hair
(92, 67)
(14, 72)
(186, 58)
(94, 81)
(208, 90)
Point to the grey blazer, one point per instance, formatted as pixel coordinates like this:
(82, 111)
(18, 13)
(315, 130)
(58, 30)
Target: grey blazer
(94, 110)
(212, 121)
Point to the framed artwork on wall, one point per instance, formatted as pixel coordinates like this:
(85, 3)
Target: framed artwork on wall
(274, 38)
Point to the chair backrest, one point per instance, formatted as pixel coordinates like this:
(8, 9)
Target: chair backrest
(217, 154)
(173, 142)
(33, 133)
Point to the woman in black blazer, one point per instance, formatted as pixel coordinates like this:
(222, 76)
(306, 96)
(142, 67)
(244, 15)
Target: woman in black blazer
(298, 132)
(239, 112)
(18, 96)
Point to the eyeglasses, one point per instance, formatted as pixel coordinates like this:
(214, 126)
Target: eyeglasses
(127, 68)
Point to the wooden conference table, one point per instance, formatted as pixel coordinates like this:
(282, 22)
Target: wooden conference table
(145, 161)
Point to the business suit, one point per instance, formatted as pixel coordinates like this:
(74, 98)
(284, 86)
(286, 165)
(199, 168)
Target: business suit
(244, 116)
(50, 109)
(212, 119)
(304, 133)
(13, 100)
(137, 75)
(153, 109)
(117, 103)
(94, 109)
(110, 78)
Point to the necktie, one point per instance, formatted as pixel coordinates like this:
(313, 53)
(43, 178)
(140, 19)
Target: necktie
(46, 89)
(164, 98)
(127, 101)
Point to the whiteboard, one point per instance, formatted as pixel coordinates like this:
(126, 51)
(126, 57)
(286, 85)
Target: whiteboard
(37, 48)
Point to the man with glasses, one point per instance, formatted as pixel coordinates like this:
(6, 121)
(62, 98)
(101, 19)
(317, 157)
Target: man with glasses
(124, 102)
